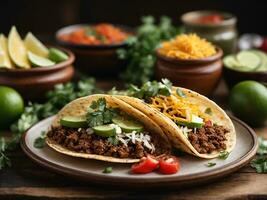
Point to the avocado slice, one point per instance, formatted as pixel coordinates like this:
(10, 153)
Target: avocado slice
(74, 121)
(128, 126)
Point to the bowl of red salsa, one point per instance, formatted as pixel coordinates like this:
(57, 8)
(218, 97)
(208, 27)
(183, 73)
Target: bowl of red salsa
(95, 47)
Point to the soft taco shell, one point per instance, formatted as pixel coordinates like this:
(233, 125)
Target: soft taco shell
(175, 135)
(79, 107)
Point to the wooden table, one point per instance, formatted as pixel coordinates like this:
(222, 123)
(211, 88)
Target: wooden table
(26, 180)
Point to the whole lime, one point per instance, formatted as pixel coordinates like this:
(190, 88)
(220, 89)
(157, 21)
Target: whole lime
(11, 106)
(248, 101)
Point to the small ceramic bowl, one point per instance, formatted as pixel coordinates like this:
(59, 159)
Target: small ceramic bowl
(33, 83)
(200, 75)
(223, 34)
(233, 77)
(95, 60)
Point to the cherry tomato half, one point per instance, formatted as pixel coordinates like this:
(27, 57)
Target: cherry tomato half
(169, 165)
(146, 165)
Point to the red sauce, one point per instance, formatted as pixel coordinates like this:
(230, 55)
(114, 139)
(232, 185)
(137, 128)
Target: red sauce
(96, 35)
(210, 19)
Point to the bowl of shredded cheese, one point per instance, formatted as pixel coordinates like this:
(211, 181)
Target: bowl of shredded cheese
(191, 62)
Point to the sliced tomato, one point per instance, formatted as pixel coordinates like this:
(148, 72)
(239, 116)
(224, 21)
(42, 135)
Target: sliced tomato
(146, 165)
(169, 165)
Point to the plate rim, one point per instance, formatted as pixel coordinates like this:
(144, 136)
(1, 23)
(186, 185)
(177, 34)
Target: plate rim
(157, 181)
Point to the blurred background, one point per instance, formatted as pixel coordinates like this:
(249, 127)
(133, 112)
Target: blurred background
(45, 17)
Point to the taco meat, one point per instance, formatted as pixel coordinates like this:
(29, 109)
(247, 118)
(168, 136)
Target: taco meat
(82, 141)
(208, 138)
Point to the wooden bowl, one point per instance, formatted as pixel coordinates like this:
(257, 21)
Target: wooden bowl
(33, 83)
(200, 75)
(233, 77)
(95, 60)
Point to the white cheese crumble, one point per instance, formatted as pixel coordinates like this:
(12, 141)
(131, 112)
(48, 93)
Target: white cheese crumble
(185, 130)
(134, 137)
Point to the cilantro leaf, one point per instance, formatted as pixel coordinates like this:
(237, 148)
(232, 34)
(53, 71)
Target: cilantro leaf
(39, 142)
(150, 89)
(141, 51)
(98, 113)
(224, 155)
(262, 149)
(210, 164)
(107, 170)
(259, 164)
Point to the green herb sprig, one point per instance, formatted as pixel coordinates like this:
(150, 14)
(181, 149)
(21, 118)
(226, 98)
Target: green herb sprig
(34, 112)
(147, 90)
(141, 51)
(39, 142)
(260, 162)
(99, 114)
(210, 164)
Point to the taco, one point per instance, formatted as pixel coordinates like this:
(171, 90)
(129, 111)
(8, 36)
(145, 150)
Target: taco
(105, 128)
(192, 122)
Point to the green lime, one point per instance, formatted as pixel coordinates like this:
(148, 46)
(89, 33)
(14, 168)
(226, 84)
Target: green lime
(39, 61)
(248, 101)
(11, 106)
(56, 55)
(36, 46)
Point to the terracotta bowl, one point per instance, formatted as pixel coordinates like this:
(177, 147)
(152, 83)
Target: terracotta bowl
(233, 77)
(200, 75)
(95, 60)
(33, 83)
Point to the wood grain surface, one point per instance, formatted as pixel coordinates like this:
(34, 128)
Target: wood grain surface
(27, 180)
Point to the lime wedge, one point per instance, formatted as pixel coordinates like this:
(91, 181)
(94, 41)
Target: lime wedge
(57, 55)
(5, 61)
(104, 130)
(231, 62)
(248, 60)
(17, 50)
(35, 46)
(39, 61)
(74, 121)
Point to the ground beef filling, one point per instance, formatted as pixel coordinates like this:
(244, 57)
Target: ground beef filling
(208, 139)
(81, 141)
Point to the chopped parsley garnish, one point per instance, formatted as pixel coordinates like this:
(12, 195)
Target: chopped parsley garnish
(208, 111)
(260, 163)
(107, 170)
(224, 155)
(210, 164)
(98, 114)
(262, 146)
(180, 93)
(39, 142)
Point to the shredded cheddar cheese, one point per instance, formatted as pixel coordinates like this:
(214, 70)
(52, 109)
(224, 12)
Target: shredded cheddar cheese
(177, 108)
(188, 46)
